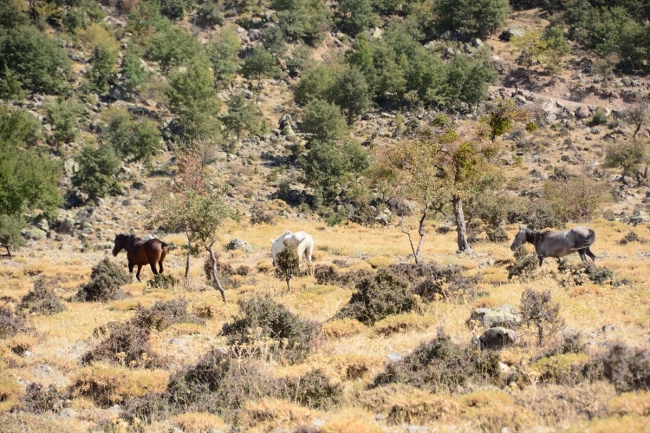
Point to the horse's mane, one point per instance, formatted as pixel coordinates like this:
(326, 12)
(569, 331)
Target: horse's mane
(126, 236)
(535, 236)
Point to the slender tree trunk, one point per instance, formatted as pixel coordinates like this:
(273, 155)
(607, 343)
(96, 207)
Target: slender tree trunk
(189, 255)
(638, 127)
(288, 280)
(461, 227)
(215, 279)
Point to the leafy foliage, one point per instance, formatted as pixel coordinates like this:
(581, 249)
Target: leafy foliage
(172, 46)
(471, 18)
(323, 122)
(97, 172)
(222, 50)
(536, 309)
(287, 264)
(261, 64)
(304, 19)
(138, 140)
(576, 199)
(243, 116)
(64, 115)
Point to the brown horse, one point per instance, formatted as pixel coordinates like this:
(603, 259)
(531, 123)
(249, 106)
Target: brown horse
(140, 252)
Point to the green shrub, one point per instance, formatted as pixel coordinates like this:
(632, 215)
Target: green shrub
(263, 318)
(64, 116)
(137, 140)
(10, 232)
(599, 117)
(537, 310)
(162, 315)
(260, 64)
(273, 40)
(13, 14)
(524, 266)
(307, 20)
(441, 365)
(323, 122)
(287, 264)
(356, 16)
(41, 300)
(596, 274)
(300, 58)
(38, 62)
(172, 46)
(97, 172)
(209, 14)
(479, 18)
(162, 281)
(128, 345)
(313, 389)
(243, 116)
(377, 297)
(134, 72)
(223, 51)
(105, 282)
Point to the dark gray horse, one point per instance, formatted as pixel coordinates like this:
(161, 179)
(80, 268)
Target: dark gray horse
(557, 244)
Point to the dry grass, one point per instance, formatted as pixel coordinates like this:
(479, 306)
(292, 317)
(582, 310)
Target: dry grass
(630, 403)
(198, 422)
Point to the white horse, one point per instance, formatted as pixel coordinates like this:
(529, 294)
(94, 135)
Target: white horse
(301, 241)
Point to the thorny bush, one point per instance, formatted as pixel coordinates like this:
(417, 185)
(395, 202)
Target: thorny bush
(11, 324)
(441, 365)
(524, 266)
(128, 345)
(106, 279)
(162, 315)
(536, 309)
(41, 300)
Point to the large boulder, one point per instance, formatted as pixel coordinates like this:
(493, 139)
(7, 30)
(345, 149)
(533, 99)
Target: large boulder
(33, 233)
(497, 338)
(238, 244)
(504, 316)
(582, 112)
(512, 32)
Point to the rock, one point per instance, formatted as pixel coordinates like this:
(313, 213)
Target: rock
(608, 328)
(582, 112)
(318, 422)
(476, 43)
(512, 32)
(66, 247)
(174, 341)
(379, 417)
(68, 413)
(496, 338)
(285, 121)
(238, 244)
(376, 33)
(33, 233)
(65, 226)
(43, 225)
(70, 166)
(115, 408)
(43, 370)
(118, 93)
(520, 99)
(254, 34)
(503, 316)
(595, 131)
(394, 357)
(450, 51)
(176, 430)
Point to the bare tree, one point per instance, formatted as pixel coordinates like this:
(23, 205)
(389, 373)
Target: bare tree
(637, 115)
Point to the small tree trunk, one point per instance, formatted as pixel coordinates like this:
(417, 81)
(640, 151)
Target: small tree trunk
(215, 279)
(189, 255)
(461, 227)
(638, 128)
(288, 280)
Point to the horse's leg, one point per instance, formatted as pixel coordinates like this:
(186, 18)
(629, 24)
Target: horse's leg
(152, 263)
(590, 254)
(137, 274)
(541, 260)
(583, 255)
(131, 264)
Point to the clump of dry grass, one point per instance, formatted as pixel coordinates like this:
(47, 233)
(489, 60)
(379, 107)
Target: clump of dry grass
(106, 384)
(628, 423)
(10, 390)
(343, 328)
(562, 369)
(198, 422)
(404, 322)
(492, 410)
(270, 413)
(630, 403)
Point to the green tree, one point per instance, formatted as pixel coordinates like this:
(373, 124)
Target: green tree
(479, 18)
(631, 157)
(172, 46)
(98, 168)
(467, 81)
(64, 115)
(209, 14)
(133, 70)
(356, 16)
(242, 117)
(300, 58)
(260, 64)
(137, 140)
(317, 82)
(578, 198)
(323, 122)
(36, 60)
(307, 20)
(193, 99)
(637, 115)
(13, 14)
(273, 40)
(223, 52)
(287, 264)
(329, 166)
(350, 92)
(28, 178)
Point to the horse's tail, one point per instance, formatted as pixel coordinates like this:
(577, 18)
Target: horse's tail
(165, 245)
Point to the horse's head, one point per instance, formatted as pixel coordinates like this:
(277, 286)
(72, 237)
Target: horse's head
(119, 244)
(520, 239)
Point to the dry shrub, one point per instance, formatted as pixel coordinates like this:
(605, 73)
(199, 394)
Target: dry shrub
(377, 297)
(574, 275)
(419, 407)
(204, 311)
(264, 266)
(11, 324)
(568, 342)
(127, 346)
(492, 410)
(164, 314)
(105, 282)
(356, 366)
(106, 384)
(342, 328)
(435, 282)
(10, 390)
(269, 413)
(348, 421)
(25, 422)
(40, 400)
(627, 368)
(259, 215)
(41, 300)
(631, 237)
(630, 403)
(243, 270)
(313, 389)
(555, 404)
(404, 322)
(218, 383)
(562, 369)
(198, 422)
(329, 275)
(21, 343)
(537, 310)
(263, 318)
(440, 365)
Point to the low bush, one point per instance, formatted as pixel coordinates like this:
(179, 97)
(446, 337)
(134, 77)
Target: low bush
(330, 275)
(160, 281)
(164, 314)
(41, 300)
(313, 389)
(630, 238)
(40, 400)
(379, 296)
(446, 282)
(105, 282)
(577, 273)
(128, 346)
(565, 369)
(524, 266)
(262, 318)
(441, 365)
(536, 309)
(11, 324)
(627, 368)
(10, 389)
